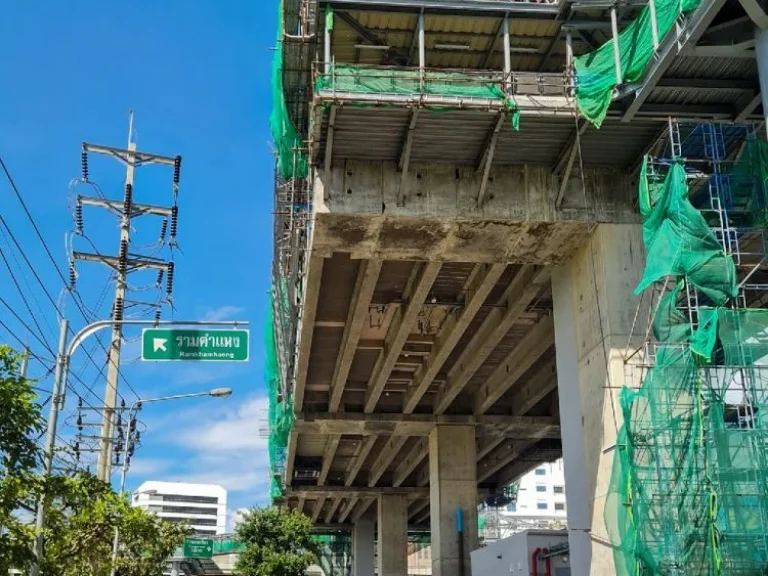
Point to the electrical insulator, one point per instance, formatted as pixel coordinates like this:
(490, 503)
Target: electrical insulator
(84, 165)
(79, 403)
(80, 423)
(130, 451)
(169, 279)
(117, 460)
(174, 221)
(122, 257)
(158, 312)
(128, 200)
(72, 274)
(159, 282)
(79, 216)
(118, 313)
(119, 422)
(163, 230)
(132, 425)
(76, 448)
(119, 445)
(176, 169)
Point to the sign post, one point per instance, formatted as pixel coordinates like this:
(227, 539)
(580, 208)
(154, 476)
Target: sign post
(198, 548)
(161, 344)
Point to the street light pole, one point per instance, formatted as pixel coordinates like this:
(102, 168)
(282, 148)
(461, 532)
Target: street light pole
(65, 353)
(135, 407)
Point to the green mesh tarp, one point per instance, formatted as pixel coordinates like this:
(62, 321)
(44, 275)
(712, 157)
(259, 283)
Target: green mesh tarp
(678, 240)
(291, 157)
(596, 71)
(689, 487)
(360, 80)
(281, 416)
(747, 181)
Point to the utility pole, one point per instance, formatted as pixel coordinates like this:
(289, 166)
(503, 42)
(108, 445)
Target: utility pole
(124, 263)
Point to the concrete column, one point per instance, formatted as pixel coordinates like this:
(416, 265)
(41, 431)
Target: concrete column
(393, 535)
(594, 306)
(761, 53)
(363, 548)
(453, 486)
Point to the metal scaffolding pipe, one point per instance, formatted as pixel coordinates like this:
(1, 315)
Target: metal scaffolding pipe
(327, 41)
(507, 55)
(616, 52)
(422, 49)
(654, 24)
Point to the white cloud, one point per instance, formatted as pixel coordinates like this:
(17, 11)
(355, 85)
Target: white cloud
(223, 313)
(225, 448)
(147, 466)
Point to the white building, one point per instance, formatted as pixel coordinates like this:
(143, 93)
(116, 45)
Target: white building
(540, 497)
(202, 506)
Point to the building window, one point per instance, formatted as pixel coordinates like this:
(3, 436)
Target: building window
(558, 489)
(541, 488)
(559, 505)
(187, 499)
(195, 521)
(512, 507)
(542, 506)
(187, 510)
(541, 471)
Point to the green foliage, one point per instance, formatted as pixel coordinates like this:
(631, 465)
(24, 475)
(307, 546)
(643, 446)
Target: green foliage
(81, 511)
(20, 422)
(277, 542)
(79, 530)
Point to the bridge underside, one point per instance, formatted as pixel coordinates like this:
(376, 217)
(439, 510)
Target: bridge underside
(443, 237)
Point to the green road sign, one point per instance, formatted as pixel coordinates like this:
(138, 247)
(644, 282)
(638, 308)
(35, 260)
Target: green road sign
(194, 345)
(198, 548)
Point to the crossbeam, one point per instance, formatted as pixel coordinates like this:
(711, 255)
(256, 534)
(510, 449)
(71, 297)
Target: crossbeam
(316, 492)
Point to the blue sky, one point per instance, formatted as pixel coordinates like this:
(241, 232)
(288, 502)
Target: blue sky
(197, 74)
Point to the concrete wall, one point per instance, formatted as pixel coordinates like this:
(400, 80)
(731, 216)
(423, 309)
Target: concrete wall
(513, 555)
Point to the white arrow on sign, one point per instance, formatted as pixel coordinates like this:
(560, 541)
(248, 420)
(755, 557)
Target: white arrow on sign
(159, 344)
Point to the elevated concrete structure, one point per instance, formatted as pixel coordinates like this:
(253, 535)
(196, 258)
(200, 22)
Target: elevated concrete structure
(465, 301)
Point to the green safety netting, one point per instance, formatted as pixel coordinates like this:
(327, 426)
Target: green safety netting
(689, 487)
(291, 157)
(596, 71)
(678, 240)
(747, 179)
(390, 81)
(281, 416)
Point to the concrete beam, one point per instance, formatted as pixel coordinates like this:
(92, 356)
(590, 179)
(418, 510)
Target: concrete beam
(332, 510)
(329, 140)
(357, 462)
(362, 508)
(747, 106)
(398, 332)
(405, 155)
(502, 458)
(568, 158)
(368, 36)
(486, 159)
(300, 505)
(398, 424)
(415, 456)
(319, 503)
(452, 330)
(313, 279)
(330, 451)
(534, 390)
(347, 509)
(487, 445)
(316, 492)
(367, 277)
(293, 441)
(388, 453)
(517, 363)
(670, 47)
(521, 291)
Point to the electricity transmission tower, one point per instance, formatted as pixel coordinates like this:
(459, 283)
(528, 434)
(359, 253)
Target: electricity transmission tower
(124, 263)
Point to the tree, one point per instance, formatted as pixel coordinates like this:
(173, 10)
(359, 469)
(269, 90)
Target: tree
(21, 422)
(277, 542)
(81, 511)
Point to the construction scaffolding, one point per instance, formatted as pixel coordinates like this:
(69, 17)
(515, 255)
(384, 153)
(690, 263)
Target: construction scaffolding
(689, 488)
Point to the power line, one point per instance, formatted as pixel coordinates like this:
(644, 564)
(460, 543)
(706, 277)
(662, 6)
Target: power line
(77, 297)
